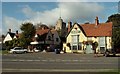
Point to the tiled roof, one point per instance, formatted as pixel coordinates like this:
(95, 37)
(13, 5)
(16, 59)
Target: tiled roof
(53, 31)
(42, 31)
(102, 29)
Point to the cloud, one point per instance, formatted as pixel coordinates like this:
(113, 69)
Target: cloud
(28, 11)
(68, 11)
(60, 0)
(73, 11)
(11, 23)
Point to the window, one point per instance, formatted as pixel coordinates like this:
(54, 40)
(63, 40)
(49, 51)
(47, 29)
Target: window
(75, 39)
(79, 46)
(57, 39)
(102, 41)
(102, 49)
(49, 37)
(74, 47)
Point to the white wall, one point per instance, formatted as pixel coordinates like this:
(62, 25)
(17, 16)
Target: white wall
(7, 38)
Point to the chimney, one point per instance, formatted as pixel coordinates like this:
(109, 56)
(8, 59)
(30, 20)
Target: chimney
(96, 21)
(69, 25)
(9, 30)
(17, 32)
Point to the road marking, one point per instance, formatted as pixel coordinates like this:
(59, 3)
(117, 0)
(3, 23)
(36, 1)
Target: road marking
(51, 60)
(21, 60)
(58, 60)
(59, 70)
(44, 60)
(36, 60)
(29, 60)
(75, 60)
(15, 60)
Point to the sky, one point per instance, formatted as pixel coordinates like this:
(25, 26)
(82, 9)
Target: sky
(16, 13)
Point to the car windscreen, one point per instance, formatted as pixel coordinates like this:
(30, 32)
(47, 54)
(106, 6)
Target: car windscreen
(18, 49)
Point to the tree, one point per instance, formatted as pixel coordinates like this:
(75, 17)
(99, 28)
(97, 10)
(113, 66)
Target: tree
(115, 19)
(8, 45)
(28, 31)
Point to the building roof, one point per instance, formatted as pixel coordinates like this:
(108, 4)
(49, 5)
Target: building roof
(42, 31)
(11, 34)
(53, 31)
(102, 29)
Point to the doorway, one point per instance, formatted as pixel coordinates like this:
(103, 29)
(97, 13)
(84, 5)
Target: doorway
(89, 48)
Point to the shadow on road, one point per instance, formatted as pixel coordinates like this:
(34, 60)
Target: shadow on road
(112, 56)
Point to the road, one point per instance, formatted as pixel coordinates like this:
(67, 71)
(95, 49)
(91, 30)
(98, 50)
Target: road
(51, 62)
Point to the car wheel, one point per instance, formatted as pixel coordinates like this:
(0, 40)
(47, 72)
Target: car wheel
(114, 54)
(25, 52)
(14, 52)
(107, 54)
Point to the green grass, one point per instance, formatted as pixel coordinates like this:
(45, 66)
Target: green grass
(3, 51)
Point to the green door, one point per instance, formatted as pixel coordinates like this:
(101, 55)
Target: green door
(89, 48)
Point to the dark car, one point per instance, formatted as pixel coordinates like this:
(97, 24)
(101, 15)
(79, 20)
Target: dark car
(109, 52)
(57, 51)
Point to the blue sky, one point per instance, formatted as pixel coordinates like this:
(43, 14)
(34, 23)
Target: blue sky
(16, 13)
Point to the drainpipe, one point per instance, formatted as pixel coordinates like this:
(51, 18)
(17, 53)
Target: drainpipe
(105, 43)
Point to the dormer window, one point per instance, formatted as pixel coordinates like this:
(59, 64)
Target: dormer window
(76, 28)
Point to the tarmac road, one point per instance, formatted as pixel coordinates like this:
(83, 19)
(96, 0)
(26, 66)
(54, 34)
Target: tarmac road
(51, 62)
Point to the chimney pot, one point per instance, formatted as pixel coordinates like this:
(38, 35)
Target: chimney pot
(69, 25)
(96, 21)
(17, 32)
(9, 30)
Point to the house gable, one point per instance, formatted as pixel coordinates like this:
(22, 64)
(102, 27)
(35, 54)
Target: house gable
(76, 30)
(48, 39)
(8, 37)
(49, 36)
(55, 36)
(79, 28)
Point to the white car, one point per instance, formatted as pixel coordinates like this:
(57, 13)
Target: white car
(36, 50)
(18, 50)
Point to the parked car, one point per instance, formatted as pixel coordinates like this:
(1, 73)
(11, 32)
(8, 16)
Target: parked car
(33, 50)
(36, 50)
(18, 50)
(57, 51)
(109, 52)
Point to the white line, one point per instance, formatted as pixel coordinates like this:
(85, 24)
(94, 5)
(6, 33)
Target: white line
(60, 70)
(51, 60)
(36, 60)
(44, 60)
(29, 60)
(75, 60)
(21, 60)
